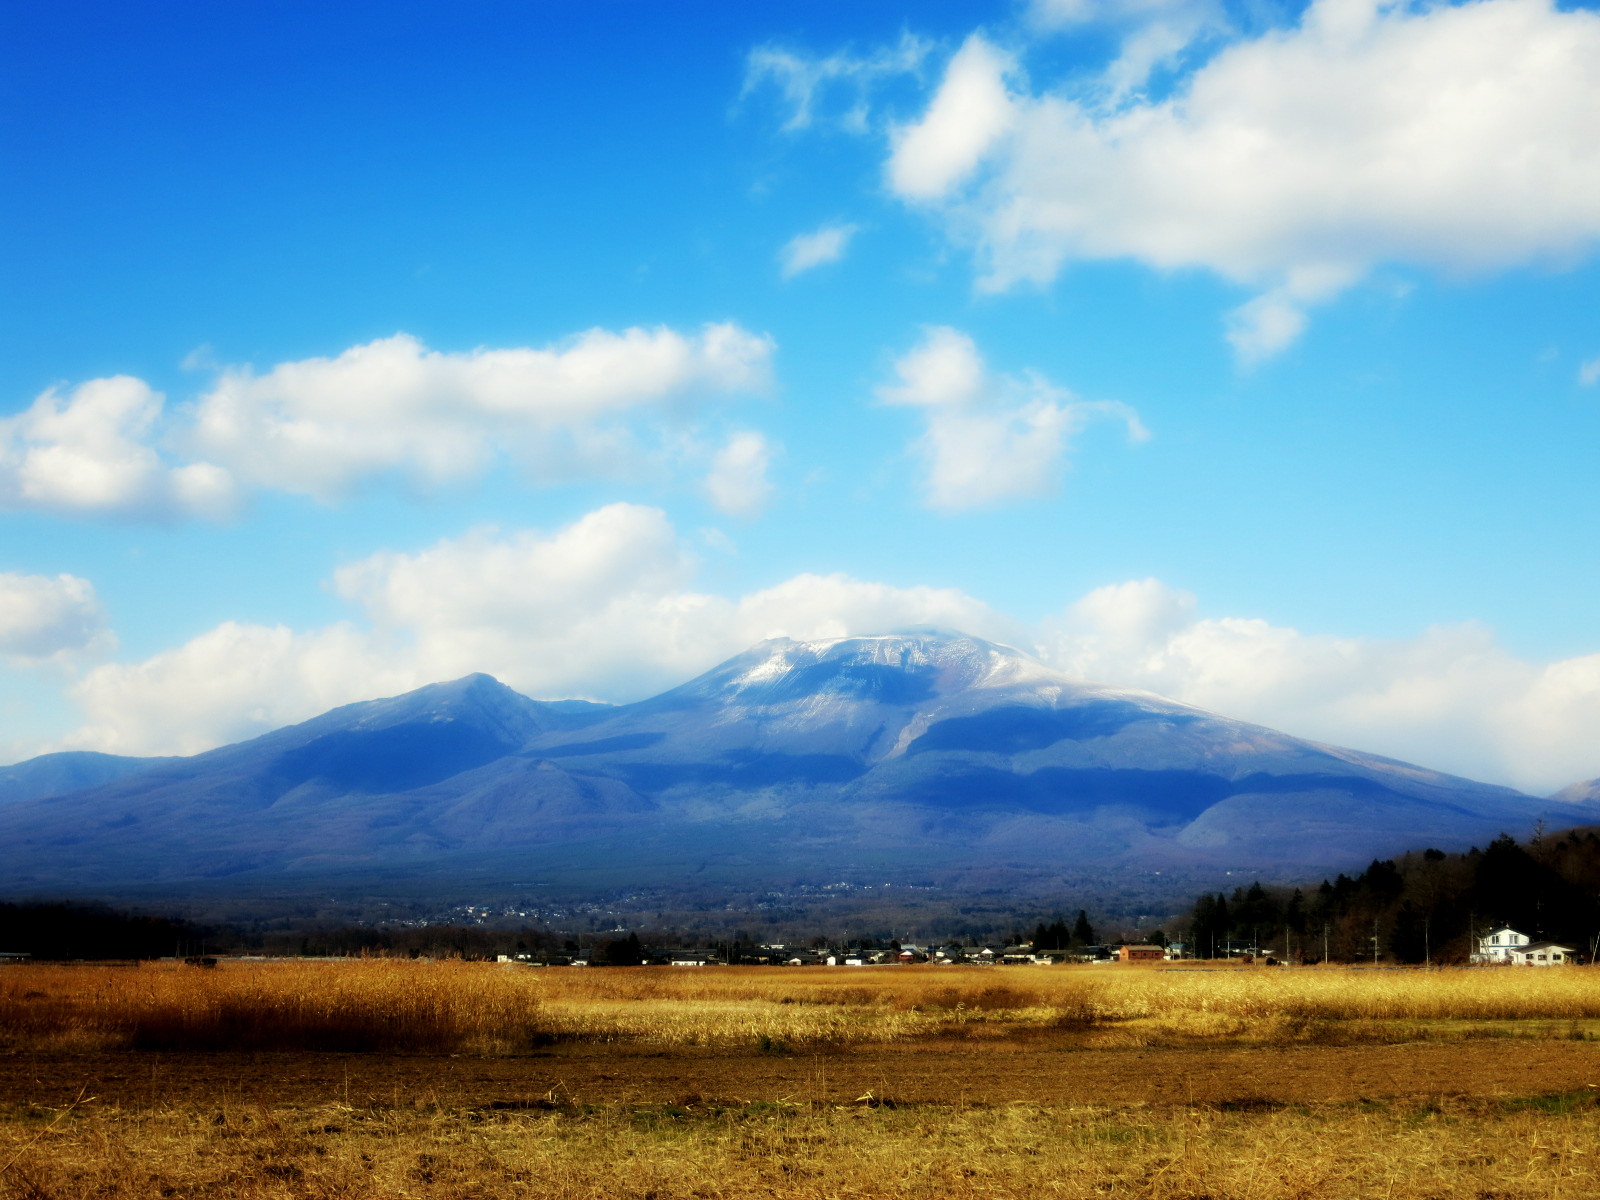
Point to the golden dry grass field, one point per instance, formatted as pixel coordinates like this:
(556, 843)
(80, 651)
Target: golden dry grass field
(387, 1079)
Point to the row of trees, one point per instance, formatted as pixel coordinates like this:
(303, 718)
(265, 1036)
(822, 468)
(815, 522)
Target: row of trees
(1426, 906)
(1058, 936)
(63, 931)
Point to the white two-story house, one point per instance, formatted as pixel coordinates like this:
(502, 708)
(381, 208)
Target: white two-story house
(1506, 945)
(1499, 945)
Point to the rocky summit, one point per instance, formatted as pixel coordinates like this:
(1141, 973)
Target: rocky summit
(921, 756)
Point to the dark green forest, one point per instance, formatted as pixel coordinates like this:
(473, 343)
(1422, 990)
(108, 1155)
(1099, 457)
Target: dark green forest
(1426, 906)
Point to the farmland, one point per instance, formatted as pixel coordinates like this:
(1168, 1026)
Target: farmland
(453, 1079)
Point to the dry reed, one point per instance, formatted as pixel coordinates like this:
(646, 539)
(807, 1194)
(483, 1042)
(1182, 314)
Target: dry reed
(306, 1005)
(488, 1008)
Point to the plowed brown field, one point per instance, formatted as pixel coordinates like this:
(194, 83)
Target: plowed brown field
(1038, 1070)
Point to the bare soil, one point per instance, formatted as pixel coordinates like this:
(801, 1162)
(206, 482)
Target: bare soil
(1039, 1071)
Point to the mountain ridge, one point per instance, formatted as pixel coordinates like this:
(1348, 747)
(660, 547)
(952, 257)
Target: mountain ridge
(923, 753)
(1585, 790)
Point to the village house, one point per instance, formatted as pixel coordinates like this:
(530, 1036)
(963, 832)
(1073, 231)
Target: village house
(691, 958)
(1498, 945)
(1544, 954)
(1505, 945)
(1140, 954)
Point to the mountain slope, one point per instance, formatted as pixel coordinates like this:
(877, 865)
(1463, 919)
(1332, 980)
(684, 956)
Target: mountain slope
(307, 789)
(1585, 791)
(922, 755)
(980, 744)
(66, 771)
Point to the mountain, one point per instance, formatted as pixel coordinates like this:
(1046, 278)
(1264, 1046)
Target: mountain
(916, 757)
(1585, 791)
(298, 791)
(67, 771)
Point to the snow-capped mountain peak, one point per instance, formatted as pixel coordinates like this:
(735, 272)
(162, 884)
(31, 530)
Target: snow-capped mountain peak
(939, 661)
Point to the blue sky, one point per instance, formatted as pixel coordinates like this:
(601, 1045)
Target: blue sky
(1246, 354)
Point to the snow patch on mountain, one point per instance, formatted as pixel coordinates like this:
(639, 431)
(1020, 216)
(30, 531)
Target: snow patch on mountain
(1584, 791)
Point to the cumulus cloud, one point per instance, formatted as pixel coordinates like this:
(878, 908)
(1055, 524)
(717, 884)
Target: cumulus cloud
(319, 425)
(44, 618)
(829, 606)
(1589, 372)
(968, 114)
(604, 608)
(561, 613)
(1449, 697)
(90, 453)
(235, 681)
(1462, 138)
(835, 89)
(808, 250)
(601, 404)
(738, 483)
(988, 439)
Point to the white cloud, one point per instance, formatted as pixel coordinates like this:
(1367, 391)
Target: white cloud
(1589, 372)
(738, 483)
(835, 89)
(1057, 13)
(1155, 33)
(1448, 698)
(577, 611)
(604, 608)
(969, 113)
(988, 439)
(1463, 138)
(808, 250)
(1262, 327)
(89, 454)
(597, 405)
(828, 606)
(320, 425)
(231, 682)
(44, 618)
(1066, 13)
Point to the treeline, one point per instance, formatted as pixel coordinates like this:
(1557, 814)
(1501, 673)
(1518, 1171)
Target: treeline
(68, 931)
(55, 932)
(1059, 936)
(1426, 906)
(63, 931)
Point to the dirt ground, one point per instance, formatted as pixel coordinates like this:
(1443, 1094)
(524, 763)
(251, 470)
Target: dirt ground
(943, 1073)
